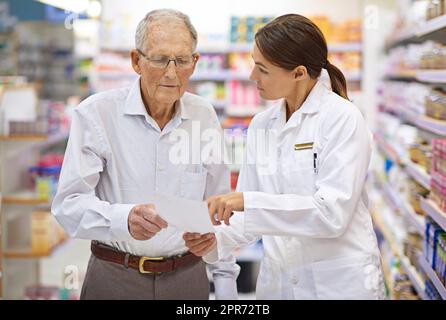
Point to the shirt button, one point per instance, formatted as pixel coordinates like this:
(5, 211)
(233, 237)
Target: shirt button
(294, 280)
(160, 167)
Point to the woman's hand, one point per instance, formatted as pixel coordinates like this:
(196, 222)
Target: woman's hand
(200, 244)
(221, 207)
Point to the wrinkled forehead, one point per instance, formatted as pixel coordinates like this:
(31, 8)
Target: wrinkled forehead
(168, 32)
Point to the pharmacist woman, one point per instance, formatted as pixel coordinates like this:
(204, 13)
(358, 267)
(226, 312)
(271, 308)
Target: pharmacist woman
(309, 205)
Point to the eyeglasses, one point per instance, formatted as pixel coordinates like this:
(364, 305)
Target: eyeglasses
(162, 62)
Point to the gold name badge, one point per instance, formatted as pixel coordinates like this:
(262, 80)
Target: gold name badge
(303, 146)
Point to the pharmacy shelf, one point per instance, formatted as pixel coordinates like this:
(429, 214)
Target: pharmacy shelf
(14, 143)
(388, 149)
(20, 254)
(413, 275)
(225, 48)
(432, 210)
(24, 137)
(432, 276)
(219, 104)
(397, 203)
(222, 75)
(418, 173)
(431, 76)
(387, 274)
(436, 24)
(432, 125)
(227, 75)
(416, 220)
(243, 111)
(425, 76)
(419, 33)
(24, 197)
(248, 47)
(379, 222)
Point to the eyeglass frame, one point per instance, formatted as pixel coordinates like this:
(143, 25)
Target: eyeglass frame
(194, 59)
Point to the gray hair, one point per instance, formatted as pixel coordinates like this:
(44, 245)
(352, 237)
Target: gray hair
(141, 35)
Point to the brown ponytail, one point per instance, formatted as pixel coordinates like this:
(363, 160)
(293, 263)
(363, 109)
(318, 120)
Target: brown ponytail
(337, 80)
(293, 40)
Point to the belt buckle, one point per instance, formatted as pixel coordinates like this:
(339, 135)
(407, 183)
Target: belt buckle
(144, 259)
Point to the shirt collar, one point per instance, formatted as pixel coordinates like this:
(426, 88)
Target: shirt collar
(134, 104)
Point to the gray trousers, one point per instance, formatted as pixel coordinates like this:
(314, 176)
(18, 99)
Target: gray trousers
(111, 281)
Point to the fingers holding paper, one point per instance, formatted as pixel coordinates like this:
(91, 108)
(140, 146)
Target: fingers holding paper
(200, 244)
(144, 222)
(222, 207)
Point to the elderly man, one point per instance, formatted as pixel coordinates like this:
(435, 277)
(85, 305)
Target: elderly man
(117, 158)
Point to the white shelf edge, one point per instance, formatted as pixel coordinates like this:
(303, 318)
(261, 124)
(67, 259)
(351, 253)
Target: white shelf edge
(414, 277)
(428, 27)
(396, 249)
(431, 76)
(416, 172)
(433, 25)
(432, 276)
(423, 122)
(434, 212)
(432, 125)
(400, 204)
(416, 220)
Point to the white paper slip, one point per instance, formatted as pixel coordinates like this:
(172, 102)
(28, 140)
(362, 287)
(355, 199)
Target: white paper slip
(184, 214)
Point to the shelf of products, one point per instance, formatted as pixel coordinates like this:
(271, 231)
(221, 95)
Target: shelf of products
(397, 203)
(398, 252)
(427, 76)
(433, 277)
(418, 173)
(30, 162)
(22, 255)
(24, 198)
(419, 33)
(434, 212)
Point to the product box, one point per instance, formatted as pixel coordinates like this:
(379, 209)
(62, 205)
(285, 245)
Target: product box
(46, 232)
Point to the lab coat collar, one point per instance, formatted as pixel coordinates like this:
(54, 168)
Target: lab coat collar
(311, 105)
(134, 104)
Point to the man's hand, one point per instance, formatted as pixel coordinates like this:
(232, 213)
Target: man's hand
(200, 244)
(221, 207)
(144, 222)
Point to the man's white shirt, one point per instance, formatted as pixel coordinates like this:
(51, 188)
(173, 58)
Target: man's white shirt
(117, 157)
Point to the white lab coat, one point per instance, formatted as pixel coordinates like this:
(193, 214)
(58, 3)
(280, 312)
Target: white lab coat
(316, 230)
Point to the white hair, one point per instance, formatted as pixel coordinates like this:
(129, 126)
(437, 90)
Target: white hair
(141, 35)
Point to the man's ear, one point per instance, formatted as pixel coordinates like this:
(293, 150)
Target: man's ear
(300, 73)
(196, 58)
(134, 55)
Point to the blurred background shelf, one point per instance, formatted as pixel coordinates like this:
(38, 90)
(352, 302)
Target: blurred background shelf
(433, 277)
(434, 212)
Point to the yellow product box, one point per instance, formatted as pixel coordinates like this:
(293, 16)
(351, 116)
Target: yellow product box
(323, 22)
(46, 232)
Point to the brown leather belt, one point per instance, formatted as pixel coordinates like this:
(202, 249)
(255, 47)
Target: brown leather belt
(143, 264)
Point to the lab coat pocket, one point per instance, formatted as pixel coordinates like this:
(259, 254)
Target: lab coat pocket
(303, 160)
(193, 185)
(299, 173)
(269, 280)
(352, 278)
